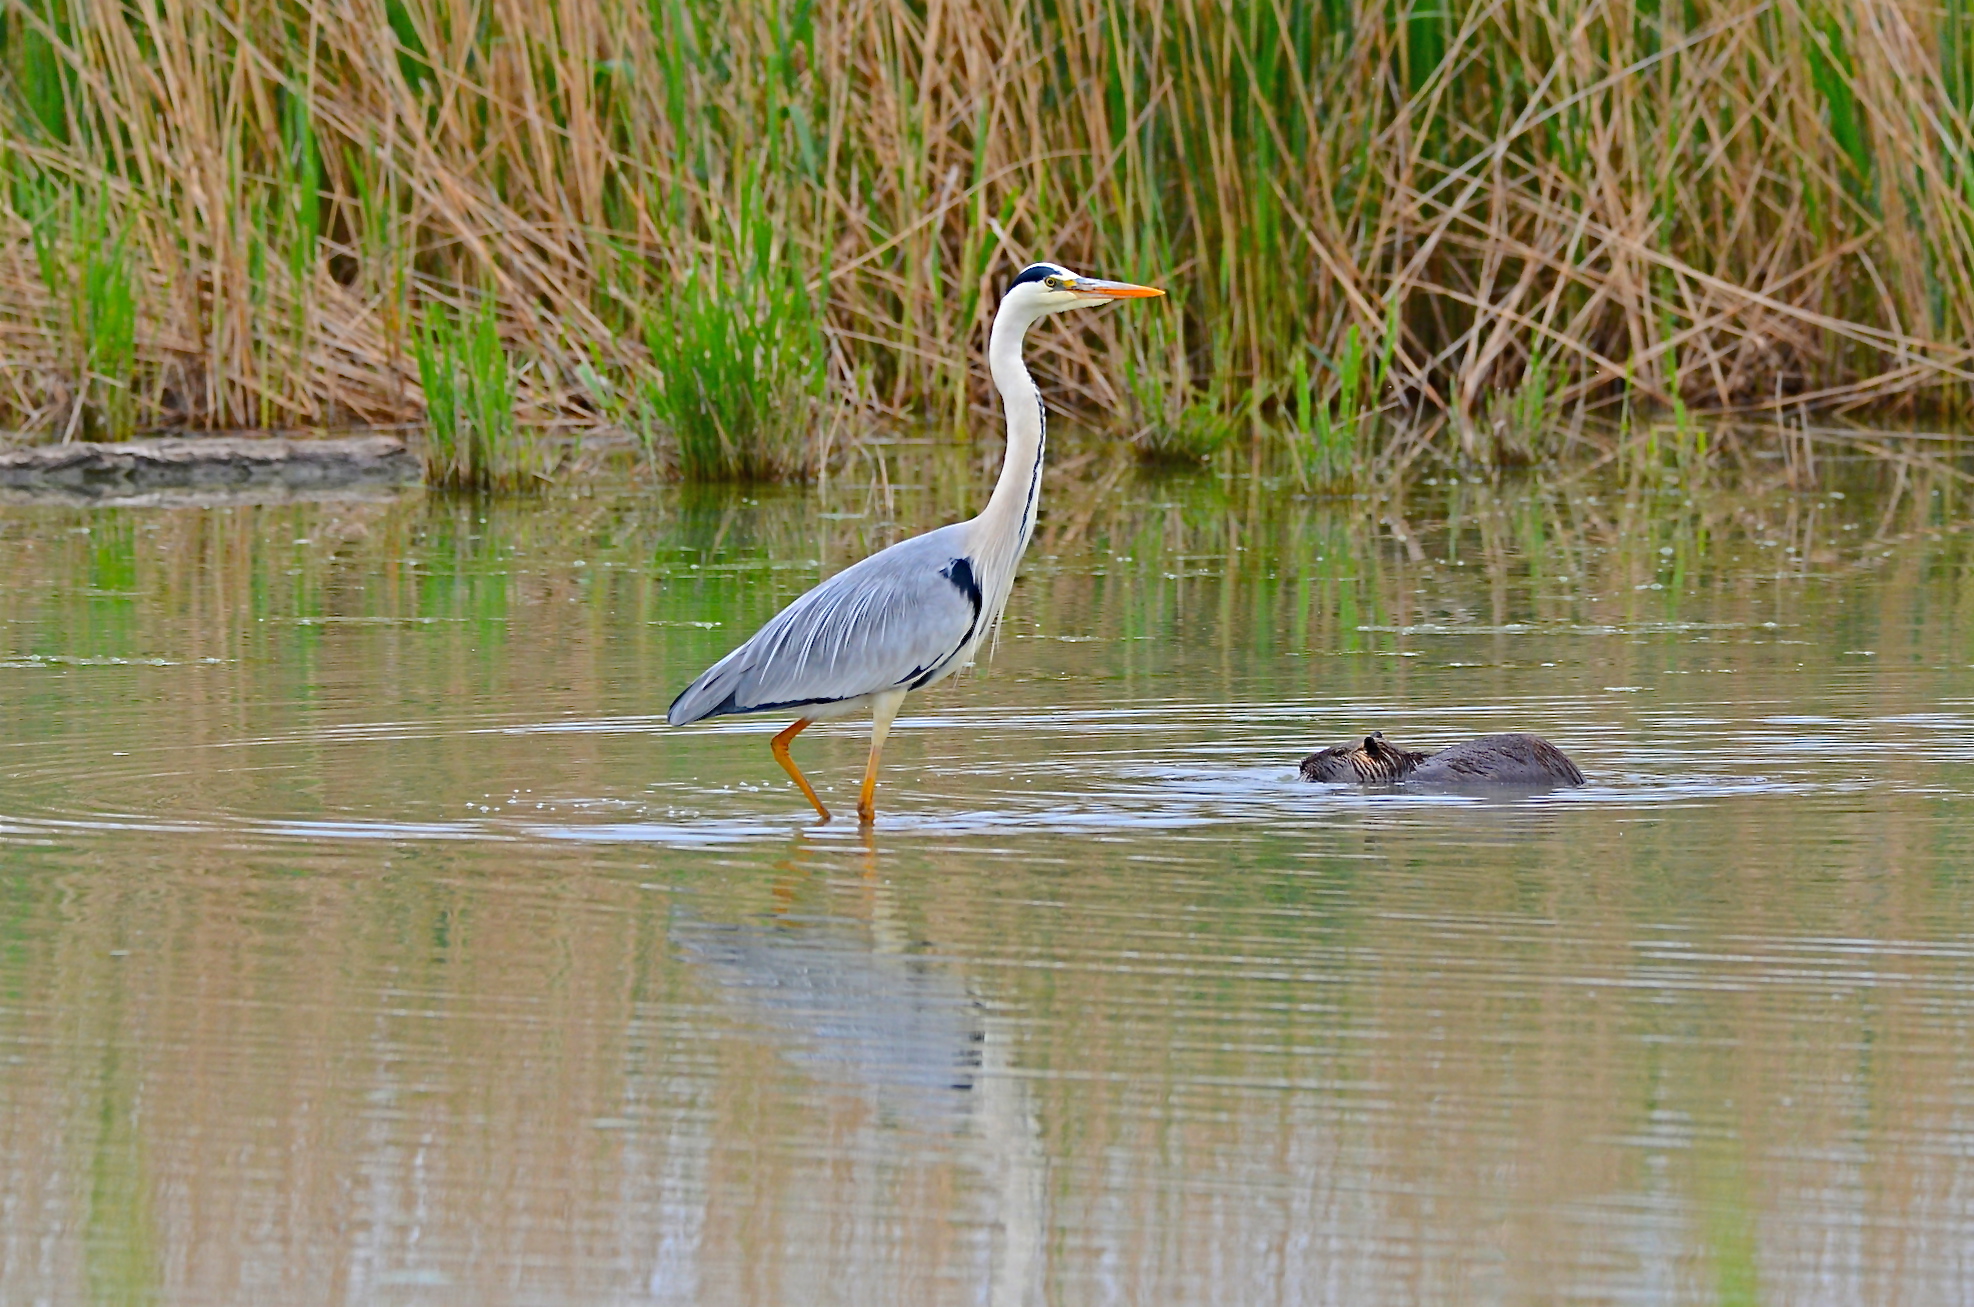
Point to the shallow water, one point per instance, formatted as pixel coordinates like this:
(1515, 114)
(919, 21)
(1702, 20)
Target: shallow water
(365, 936)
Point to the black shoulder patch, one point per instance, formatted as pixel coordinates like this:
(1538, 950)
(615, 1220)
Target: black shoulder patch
(960, 573)
(1036, 272)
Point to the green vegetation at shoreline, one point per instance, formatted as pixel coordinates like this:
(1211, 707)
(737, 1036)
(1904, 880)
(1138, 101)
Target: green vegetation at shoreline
(1480, 222)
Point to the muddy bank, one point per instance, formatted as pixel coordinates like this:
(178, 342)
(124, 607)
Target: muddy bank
(215, 464)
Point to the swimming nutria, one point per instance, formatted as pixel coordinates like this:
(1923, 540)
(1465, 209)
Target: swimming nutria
(1488, 760)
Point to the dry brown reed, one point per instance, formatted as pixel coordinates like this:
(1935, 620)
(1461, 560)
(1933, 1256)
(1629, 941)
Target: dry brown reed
(1537, 208)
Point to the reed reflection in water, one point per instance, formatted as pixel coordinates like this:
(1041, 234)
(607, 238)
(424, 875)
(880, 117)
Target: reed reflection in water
(364, 937)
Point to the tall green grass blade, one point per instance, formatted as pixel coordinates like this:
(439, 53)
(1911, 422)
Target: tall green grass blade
(1832, 71)
(472, 439)
(737, 352)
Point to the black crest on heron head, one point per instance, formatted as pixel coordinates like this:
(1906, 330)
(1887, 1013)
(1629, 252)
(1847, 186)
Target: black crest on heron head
(1037, 272)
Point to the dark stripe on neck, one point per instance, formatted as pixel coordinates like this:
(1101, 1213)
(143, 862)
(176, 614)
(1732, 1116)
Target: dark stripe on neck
(1035, 472)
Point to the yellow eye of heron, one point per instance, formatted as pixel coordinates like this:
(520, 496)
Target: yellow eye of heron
(1052, 283)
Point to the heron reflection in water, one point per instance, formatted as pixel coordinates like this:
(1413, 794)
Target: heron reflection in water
(851, 1000)
(913, 614)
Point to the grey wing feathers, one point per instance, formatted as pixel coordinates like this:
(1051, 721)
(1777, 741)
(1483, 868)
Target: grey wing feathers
(884, 623)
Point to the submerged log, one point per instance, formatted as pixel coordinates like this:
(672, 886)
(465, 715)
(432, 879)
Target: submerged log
(110, 471)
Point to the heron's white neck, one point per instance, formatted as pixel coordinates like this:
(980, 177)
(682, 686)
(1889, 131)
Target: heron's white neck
(1009, 518)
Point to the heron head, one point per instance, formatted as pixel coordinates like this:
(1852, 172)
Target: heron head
(1042, 288)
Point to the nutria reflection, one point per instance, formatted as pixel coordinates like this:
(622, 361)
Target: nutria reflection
(1512, 759)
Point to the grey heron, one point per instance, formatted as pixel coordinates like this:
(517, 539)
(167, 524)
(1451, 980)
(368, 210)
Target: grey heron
(914, 613)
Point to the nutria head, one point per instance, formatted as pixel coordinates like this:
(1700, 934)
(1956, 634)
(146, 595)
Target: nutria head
(1377, 761)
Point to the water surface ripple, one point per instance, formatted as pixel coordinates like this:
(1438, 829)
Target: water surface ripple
(365, 935)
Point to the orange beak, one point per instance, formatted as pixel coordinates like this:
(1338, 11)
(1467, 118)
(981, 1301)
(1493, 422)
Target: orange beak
(1116, 290)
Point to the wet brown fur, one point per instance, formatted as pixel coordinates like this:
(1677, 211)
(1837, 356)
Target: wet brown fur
(1374, 762)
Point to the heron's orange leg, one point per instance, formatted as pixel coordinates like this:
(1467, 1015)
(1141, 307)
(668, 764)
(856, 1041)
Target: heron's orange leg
(883, 708)
(779, 747)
